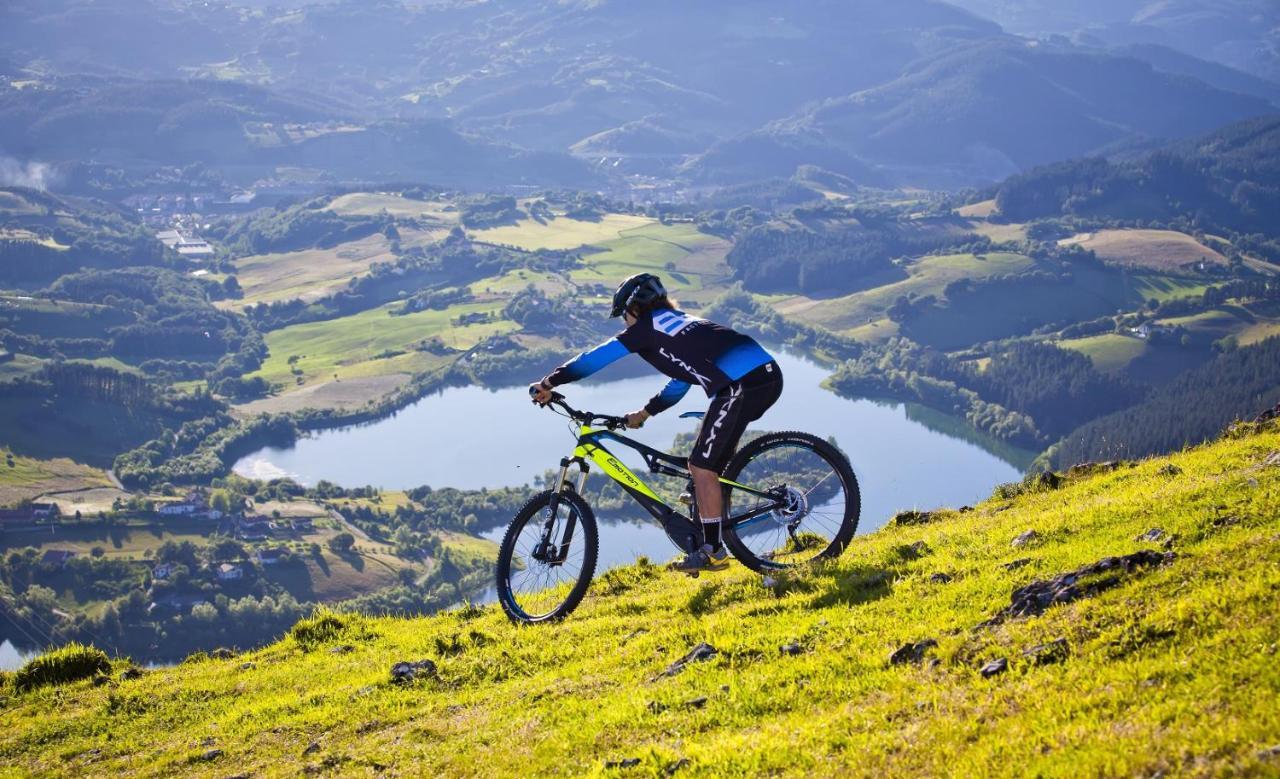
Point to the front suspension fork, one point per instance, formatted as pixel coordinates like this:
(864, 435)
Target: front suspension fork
(548, 550)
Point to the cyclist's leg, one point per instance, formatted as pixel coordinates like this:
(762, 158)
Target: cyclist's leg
(731, 410)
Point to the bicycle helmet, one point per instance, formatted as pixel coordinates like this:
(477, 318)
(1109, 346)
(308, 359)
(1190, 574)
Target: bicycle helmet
(641, 288)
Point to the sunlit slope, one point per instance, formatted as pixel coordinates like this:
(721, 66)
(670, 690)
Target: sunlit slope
(1166, 665)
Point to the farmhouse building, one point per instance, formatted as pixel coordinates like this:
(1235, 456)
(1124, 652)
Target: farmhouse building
(228, 572)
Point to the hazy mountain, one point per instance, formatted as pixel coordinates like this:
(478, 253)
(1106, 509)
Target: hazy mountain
(882, 91)
(1244, 34)
(127, 122)
(987, 109)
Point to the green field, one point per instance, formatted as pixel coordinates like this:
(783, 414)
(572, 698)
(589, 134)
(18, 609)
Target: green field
(1164, 668)
(129, 540)
(308, 275)
(926, 276)
(1109, 352)
(29, 477)
(1249, 323)
(700, 272)
(561, 232)
(21, 365)
(348, 346)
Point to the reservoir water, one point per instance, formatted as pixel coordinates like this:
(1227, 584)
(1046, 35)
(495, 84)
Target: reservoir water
(469, 437)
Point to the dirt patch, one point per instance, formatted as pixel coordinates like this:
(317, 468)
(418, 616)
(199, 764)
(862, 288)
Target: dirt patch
(1162, 250)
(89, 501)
(340, 395)
(981, 210)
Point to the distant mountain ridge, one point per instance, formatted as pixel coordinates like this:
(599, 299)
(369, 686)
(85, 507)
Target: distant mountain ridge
(990, 108)
(886, 92)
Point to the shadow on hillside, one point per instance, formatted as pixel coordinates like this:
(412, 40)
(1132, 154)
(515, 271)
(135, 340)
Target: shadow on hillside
(845, 587)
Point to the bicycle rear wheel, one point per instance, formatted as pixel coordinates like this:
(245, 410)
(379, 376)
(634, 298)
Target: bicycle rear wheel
(546, 560)
(822, 502)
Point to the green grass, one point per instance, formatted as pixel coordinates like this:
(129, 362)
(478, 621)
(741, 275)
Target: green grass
(349, 346)
(1171, 672)
(21, 365)
(1109, 352)
(1164, 288)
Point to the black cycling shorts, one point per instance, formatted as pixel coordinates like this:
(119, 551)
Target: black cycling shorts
(731, 410)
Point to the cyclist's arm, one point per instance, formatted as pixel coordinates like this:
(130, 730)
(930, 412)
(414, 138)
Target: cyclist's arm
(668, 397)
(587, 363)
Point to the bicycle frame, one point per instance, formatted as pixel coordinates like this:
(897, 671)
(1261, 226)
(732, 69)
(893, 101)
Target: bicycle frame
(683, 531)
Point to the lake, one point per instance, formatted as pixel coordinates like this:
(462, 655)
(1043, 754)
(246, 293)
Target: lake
(470, 437)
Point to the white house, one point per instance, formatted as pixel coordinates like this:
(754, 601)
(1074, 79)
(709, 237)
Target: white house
(269, 556)
(228, 572)
(175, 509)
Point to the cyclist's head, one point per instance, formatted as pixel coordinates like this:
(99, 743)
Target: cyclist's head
(639, 295)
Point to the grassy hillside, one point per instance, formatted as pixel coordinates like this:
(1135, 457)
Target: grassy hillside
(1164, 665)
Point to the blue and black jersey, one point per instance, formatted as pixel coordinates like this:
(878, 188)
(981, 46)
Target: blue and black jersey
(690, 350)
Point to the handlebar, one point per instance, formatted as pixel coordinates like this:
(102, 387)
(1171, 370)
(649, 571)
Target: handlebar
(610, 421)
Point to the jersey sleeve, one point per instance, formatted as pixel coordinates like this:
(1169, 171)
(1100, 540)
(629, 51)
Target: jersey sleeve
(668, 397)
(588, 362)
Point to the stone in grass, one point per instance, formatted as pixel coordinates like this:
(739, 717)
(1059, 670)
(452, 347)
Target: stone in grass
(405, 672)
(132, 672)
(1269, 752)
(1154, 534)
(1014, 565)
(1169, 469)
(342, 649)
(703, 651)
(311, 749)
(1055, 651)
(211, 754)
(626, 762)
(912, 653)
(1032, 600)
(994, 667)
(793, 648)
(913, 517)
(696, 703)
(1025, 538)
(940, 578)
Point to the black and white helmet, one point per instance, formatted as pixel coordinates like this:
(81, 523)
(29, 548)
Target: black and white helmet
(640, 289)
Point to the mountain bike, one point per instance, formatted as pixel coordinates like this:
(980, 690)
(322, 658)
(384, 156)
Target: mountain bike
(789, 498)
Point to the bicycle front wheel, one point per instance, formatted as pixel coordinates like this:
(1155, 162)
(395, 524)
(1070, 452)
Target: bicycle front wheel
(547, 558)
(817, 515)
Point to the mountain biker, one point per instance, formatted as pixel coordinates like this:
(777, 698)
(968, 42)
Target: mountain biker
(742, 380)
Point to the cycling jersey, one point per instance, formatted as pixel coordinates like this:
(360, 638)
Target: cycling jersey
(686, 348)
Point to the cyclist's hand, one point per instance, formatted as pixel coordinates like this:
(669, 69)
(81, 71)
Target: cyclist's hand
(636, 418)
(540, 393)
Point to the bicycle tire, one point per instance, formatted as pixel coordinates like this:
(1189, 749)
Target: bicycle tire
(829, 454)
(586, 530)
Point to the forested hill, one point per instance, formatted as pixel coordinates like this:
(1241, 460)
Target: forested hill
(1129, 631)
(1228, 179)
(1189, 410)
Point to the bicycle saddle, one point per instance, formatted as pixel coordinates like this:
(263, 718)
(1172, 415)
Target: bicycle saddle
(693, 415)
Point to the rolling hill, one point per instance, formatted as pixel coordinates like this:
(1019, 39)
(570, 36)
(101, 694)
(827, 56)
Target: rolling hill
(1119, 621)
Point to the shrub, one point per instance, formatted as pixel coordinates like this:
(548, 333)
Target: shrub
(67, 664)
(324, 626)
